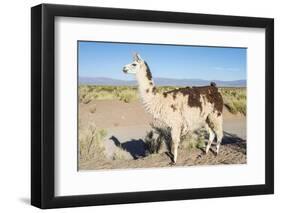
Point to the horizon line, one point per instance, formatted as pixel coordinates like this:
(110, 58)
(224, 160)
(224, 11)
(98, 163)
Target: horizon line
(162, 78)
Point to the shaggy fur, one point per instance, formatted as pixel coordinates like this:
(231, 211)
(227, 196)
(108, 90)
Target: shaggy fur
(182, 110)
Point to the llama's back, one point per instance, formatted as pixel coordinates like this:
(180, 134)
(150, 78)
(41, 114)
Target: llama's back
(199, 97)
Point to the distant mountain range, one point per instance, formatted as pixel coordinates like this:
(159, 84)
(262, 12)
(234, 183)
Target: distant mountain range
(161, 82)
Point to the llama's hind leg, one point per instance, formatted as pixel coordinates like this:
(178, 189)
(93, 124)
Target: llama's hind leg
(215, 122)
(219, 134)
(211, 138)
(176, 132)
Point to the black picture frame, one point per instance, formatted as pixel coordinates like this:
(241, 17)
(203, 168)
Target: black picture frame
(43, 102)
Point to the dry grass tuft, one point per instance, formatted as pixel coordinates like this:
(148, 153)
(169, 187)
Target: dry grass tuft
(153, 143)
(158, 139)
(93, 109)
(87, 93)
(121, 154)
(91, 143)
(193, 140)
(127, 95)
(235, 99)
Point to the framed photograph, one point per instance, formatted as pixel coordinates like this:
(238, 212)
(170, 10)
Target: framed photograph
(139, 106)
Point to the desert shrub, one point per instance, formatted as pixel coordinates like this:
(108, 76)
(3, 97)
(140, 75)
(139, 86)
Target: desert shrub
(91, 142)
(153, 143)
(193, 140)
(93, 109)
(240, 106)
(121, 154)
(127, 95)
(158, 139)
(87, 93)
(235, 99)
(82, 95)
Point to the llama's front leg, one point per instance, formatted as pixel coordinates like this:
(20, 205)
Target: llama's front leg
(175, 143)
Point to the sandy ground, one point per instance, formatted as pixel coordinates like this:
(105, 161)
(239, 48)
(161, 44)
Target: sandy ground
(127, 125)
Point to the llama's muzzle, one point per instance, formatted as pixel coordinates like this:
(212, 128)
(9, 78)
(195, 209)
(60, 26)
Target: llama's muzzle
(125, 70)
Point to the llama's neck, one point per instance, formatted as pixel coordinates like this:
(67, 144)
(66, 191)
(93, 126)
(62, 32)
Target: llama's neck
(147, 88)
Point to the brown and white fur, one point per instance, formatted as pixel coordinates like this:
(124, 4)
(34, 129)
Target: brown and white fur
(182, 110)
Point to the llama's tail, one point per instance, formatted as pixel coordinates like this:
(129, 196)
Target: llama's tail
(213, 84)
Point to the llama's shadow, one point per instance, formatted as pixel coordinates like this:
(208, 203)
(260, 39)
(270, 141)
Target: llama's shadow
(238, 144)
(229, 138)
(137, 148)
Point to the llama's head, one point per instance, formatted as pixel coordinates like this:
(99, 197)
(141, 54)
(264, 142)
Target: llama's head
(134, 67)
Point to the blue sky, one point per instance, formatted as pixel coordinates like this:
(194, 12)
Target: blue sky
(102, 59)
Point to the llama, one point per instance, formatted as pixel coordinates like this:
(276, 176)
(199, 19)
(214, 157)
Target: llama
(182, 110)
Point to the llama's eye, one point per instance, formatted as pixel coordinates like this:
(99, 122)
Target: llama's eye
(134, 65)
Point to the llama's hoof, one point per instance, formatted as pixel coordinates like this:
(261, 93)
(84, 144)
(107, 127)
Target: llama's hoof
(207, 150)
(172, 163)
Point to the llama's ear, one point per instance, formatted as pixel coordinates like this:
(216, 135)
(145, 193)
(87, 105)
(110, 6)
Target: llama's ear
(137, 57)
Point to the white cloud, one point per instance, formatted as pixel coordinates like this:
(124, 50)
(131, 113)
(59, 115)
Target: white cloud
(230, 69)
